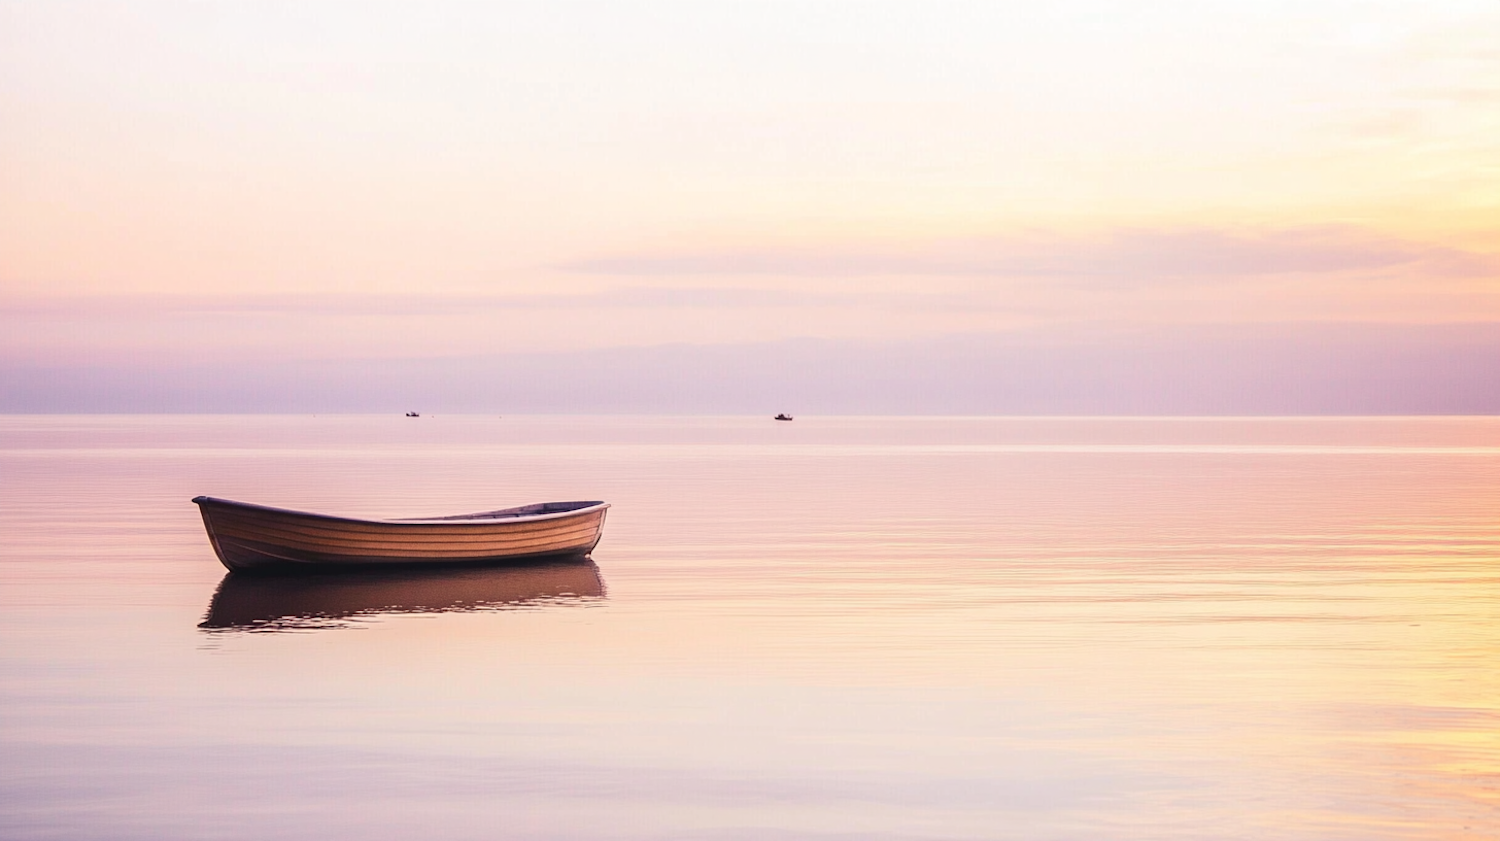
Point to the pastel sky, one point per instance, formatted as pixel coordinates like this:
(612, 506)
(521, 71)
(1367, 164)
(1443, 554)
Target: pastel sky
(356, 181)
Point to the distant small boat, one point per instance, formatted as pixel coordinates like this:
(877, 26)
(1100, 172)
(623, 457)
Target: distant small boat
(413, 415)
(255, 537)
(783, 417)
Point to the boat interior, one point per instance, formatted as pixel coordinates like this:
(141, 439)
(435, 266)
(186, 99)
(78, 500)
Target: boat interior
(520, 511)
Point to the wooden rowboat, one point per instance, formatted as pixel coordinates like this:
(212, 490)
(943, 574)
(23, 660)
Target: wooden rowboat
(255, 537)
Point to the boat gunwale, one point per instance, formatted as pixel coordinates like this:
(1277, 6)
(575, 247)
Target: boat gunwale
(458, 520)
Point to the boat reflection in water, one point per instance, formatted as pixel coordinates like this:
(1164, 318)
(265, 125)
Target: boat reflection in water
(309, 600)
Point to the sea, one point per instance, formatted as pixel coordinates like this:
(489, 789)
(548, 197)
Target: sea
(831, 628)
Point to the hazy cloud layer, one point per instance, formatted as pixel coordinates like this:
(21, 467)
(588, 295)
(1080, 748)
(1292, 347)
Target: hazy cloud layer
(1139, 253)
(631, 297)
(349, 304)
(1312, 368)
(1122, 262)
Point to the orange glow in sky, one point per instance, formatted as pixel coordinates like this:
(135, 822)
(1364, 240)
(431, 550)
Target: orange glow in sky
(308, 180)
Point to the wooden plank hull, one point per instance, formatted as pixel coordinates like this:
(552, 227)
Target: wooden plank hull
(254, 537)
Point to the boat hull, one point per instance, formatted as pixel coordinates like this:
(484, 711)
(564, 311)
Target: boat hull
(253, 537)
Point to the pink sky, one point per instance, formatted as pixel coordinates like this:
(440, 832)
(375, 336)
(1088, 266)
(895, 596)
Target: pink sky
(295, 182)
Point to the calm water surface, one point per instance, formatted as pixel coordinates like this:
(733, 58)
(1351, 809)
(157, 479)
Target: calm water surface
(885, 628)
